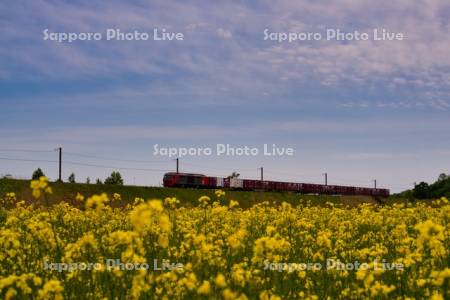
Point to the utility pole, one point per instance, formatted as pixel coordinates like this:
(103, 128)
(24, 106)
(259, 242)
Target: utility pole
(60, 164)
(326, 178)
(375, 182)
(262, 173)
(178, 164)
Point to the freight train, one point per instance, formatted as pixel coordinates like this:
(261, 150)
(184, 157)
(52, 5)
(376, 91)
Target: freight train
(189, 180)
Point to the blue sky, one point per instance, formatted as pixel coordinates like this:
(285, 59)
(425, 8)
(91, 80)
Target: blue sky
(358, 110)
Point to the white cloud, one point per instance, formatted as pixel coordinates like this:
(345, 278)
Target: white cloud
(439, 104)
(242, 64)
(223, 33)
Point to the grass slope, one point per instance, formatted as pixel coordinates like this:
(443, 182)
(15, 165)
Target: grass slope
(187, 197)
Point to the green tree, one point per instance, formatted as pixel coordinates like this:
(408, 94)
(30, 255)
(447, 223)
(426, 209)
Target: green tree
(421, 191)
(234, 175)
(71, 178)
(440, 188)
(37, 174)
(442, 177)
(98, 181)
(88, 180)
(114, 178)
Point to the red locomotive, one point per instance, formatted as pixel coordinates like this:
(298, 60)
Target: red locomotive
(174, 179)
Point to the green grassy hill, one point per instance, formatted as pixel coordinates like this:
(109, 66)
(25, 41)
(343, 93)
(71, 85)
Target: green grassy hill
(187, 197)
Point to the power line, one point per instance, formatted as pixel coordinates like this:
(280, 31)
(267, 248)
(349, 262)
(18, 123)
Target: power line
(338, 180)
(95, 165)
(219, 168)
(289, 174)
(141, 161)
(25, 150)
(115, 159)
(28, 160)
(113, 167)
(335, 179)
(83, 164)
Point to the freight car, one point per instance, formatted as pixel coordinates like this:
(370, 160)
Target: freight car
(173, 179)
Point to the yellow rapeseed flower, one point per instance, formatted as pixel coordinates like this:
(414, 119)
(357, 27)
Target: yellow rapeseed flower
(52, 290)
(204, 288)
(220, 280)
(233, 203)
(204, 201)
(219, 193)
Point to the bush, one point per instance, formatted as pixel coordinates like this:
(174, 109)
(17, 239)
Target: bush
(114, 178)
(71, 178)
(37, 174)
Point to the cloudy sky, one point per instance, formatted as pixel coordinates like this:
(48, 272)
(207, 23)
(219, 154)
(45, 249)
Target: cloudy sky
(358, 110)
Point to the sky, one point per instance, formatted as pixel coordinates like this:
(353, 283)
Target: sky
(358, 110)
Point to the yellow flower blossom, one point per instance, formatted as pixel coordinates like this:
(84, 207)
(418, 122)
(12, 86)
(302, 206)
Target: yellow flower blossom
(220, 281)
(219, 193)
(171, 202)
(204, 201)
(437, 296)
(52, 289)
(117, 197)
(97, 201)
(79, 197)
(204, 288)
(233, 203)
(211, 251)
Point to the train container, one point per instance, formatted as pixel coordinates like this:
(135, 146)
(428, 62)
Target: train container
(173, 179)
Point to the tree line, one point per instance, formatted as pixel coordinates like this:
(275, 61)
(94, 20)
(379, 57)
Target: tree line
(114, 178)
(423, 190)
